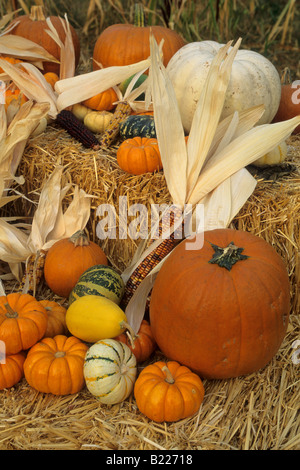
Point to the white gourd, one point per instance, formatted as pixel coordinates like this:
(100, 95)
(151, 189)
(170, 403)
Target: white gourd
(254, 80)
(274, 157)
(110, 370)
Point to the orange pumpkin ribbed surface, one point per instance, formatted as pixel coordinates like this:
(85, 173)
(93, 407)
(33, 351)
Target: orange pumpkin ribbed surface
(33, 26)
(23, 321)
(55, 365)
(124, 44)
(67, 259)
(221, 309)
(139, 155)
(12, 370)
(142, 344)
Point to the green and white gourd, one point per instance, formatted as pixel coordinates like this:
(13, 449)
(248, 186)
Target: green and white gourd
(110, 371)
(138, 126)
(99, 280)
(254, 81)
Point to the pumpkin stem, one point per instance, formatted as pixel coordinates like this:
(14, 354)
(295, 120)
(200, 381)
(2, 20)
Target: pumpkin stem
(60, 354)
(139, 17)
(37, 13)
(169, 377)
(10, 312)
(130, 333)
(228, 256)
(80, 238)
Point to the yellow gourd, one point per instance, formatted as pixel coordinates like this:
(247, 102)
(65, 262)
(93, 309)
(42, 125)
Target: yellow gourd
(93, 317)
(80, 111)
(97, 121)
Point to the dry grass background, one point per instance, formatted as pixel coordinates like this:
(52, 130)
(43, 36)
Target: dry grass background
(256, 412)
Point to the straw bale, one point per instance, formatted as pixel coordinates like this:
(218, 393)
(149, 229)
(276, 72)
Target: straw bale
(256, 412)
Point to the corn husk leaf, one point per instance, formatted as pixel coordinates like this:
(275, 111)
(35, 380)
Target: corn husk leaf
(82, 87)
(16, 134)
(22, 48)
(16, 244)
(32, 83)
(67, 52)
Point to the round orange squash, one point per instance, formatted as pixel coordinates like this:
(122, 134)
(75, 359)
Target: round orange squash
(143, 344)
(67, 259)
(23, 321)
(55, 365)
(34, 26)
(56, 324)
(168, 392)
(11, 370)
(124, 44)
(139, 155)
(221, 309)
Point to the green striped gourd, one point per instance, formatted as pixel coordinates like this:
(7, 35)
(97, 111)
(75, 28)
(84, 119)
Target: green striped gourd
(110, 370)
(138, 126)
(99, 280)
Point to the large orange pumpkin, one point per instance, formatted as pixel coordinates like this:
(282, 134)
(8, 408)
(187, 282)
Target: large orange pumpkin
(67, 259)
(23, 321)
(221, 309)
(34, 26)
(55, 365)
(124, 44)
(11, 370)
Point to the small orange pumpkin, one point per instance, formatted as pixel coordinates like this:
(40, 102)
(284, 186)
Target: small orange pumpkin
(23, 321)
(102, 101)
(168, 392)
(289, 105)
(56, 318)
(11, 60)
(67, 259)
(139, 155)
(12, 370)
(55, 365)
(143, 344)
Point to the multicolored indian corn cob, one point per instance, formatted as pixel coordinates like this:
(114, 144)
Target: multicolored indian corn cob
(68, 121)
(122, 110)
(165, 247)
(34, 270)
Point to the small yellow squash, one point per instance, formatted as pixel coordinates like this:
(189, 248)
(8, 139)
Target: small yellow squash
(93, 317)
(97, 121)
(274, 157)
(80, 111)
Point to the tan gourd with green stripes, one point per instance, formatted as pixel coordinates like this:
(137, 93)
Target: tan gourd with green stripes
(110, 371)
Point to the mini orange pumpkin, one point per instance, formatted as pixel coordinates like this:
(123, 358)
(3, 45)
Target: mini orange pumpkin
(12, 370)
(56, 324)
(23, 321)
(168, 392)
(67, 259)
(139, 155)
(143, 344)
(102, 101)
(55, 365)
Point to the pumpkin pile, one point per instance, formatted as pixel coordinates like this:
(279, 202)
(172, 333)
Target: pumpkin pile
(219, 302)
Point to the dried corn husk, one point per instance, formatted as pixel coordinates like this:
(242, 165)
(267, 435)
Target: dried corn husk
(49, 224)
(22, 48)
(14, 135)
(217, 179)
(67, 52)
